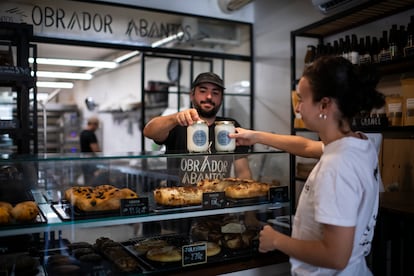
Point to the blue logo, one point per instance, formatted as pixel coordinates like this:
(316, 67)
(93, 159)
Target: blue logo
(223, 138)
(199, 138)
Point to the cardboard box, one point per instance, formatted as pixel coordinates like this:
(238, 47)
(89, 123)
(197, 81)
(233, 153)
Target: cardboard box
(397, 168)
(407, 86)
(393, 109)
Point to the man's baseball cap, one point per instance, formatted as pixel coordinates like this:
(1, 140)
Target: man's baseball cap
(210, 78)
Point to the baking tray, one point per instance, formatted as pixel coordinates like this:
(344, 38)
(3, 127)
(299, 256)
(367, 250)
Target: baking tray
(174, 209)
(67, 211)
(40, 219)
(179, 241)
(234, 202)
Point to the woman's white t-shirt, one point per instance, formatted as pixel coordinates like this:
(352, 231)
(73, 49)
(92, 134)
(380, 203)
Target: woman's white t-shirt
(342, 190)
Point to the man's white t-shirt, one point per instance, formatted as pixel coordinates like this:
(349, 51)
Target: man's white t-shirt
(342, 190)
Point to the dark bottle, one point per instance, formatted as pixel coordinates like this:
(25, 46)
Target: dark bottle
(374, 52)
(341, 50)
(329, 49)
(362, 51)
(335, 50)
(402, 39)
(409, 45)
(354, 51)
(385, 53)
(347, 48)
(393, 42)
(310, 54)
(367, 53)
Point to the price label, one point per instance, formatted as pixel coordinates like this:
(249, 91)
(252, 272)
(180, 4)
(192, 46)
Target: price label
(214, 200)
(194, 254)
(134, 206)
(279, 194)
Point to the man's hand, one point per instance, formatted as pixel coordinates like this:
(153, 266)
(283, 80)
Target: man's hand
(187, 117)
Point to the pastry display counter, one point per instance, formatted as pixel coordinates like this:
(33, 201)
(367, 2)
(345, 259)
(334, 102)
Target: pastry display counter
(120, 224)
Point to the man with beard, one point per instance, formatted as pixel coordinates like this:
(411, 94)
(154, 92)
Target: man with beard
(206, 97)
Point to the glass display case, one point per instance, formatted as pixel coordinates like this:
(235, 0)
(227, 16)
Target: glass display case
(134, 217)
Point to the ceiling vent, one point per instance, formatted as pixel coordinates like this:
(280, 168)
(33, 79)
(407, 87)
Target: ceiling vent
(334, 6)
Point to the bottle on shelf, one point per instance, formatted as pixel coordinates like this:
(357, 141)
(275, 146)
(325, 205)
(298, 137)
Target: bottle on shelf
(336, 50)
(375, 50)
(385, 53)
(409, 45)
(354, 50)
(346, 49)
(393, 42)
(329, 50)
(310, 54)
(365, 50)
(402, 39)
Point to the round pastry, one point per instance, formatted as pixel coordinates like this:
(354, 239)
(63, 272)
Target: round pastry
(6, 206)
(25, 211)
(76, 245)
(90, 258)
(164, 254)
(233, 241)
(65, 270)
(82, 251)
(5, 215)
(213, 249)
(55, 260)
(143, 246)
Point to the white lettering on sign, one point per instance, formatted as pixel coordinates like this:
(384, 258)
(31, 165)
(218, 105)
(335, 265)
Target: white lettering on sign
(195, 169)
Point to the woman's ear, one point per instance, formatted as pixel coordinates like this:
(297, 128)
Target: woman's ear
(325, 101)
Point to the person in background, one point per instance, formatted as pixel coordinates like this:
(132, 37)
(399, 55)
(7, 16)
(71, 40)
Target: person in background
(89, 144)
(88, 140)
(206, 97)
(336, 214)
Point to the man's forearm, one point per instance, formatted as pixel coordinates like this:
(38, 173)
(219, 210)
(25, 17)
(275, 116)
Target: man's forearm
(158, 128)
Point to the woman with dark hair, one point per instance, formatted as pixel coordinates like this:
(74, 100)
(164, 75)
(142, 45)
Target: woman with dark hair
(334, 223)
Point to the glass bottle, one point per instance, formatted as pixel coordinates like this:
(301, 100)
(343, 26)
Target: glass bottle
(354, 51)
(374, 52)
(409, 45)
(310, 54)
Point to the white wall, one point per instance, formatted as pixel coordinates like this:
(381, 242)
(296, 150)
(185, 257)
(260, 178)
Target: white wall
(274, 22)
(209, 8)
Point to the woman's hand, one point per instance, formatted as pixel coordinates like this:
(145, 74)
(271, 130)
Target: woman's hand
(268, 238)
(244, 137)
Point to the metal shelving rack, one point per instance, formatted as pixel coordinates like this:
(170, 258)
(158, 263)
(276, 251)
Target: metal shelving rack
(362, 14)
(23, 127)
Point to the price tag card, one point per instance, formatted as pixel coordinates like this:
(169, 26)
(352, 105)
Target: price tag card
(194, 254)
(134, 206)
(279, 194)
(214, 200)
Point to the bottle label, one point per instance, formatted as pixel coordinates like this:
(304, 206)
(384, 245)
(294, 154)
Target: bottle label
(223, 138)
(199, 138)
